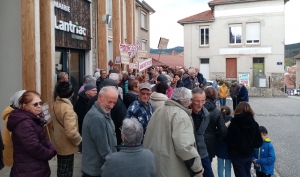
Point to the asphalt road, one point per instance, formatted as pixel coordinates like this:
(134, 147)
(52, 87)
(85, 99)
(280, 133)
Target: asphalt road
(281, 116)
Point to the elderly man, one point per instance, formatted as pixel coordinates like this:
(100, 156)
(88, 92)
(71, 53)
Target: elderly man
(243, 94)
(170, 136)
(103, 76)
(234, 91)
(116, 77)
(131, 160)
(191, 81)
(141, 108)
(98, 132)
(88, 79)
(200, 78)
(201, 120)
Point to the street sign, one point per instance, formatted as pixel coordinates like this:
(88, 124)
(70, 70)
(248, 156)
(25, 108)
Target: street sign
(163, 43)
(279, 63)
(124, 57)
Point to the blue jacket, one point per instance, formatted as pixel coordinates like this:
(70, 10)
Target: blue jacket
(265, 156)
(215, 85)
(138, 110)
(243, 93)
(222, 147)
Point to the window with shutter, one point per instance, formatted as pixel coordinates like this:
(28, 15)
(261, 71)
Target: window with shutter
(253, 33)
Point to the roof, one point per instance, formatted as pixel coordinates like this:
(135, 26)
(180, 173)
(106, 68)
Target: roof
(297, 56)
(216, 2)
(201, 17)
(169, 60)
(145, 5)
(157, 63)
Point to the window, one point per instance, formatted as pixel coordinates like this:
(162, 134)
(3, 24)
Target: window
(235, 34)
(110, 50)
(253, 33)
(143, 19)
(204, 35)
(109, 11)
(144, 42)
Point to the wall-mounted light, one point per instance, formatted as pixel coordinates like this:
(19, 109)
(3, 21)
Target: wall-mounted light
(106, 18)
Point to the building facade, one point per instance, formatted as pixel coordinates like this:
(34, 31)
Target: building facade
(45, 37)
(238, 37)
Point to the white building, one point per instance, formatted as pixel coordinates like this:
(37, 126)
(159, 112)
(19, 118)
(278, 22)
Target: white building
(238, 37)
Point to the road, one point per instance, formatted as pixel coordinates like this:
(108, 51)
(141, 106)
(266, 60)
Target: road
(281, 116)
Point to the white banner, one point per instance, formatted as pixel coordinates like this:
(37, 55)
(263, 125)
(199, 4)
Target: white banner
(145, 64)
(133, 66)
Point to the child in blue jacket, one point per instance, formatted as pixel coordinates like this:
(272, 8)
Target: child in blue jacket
(264, 157)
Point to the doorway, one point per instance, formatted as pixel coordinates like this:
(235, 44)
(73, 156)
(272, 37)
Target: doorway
(72, 62)
(204, 67)
(258, 70)
(231, 68)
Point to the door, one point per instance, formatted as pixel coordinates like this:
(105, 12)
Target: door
(258, 70)
(204, 67)
(231, 70)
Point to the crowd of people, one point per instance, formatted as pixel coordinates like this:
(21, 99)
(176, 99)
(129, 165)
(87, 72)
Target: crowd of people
(159, 122)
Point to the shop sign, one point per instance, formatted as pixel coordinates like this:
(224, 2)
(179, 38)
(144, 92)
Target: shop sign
(130, 48)
(245, 78)
(145, 64)
(133, 66)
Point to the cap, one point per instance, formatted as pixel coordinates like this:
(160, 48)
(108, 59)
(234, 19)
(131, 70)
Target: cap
(89, 87)
(163, 78)
(145, 86)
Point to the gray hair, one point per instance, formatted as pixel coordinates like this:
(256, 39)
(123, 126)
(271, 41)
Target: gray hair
(15, 98)
(197, 90)
(88, 79)
(182, 95)
(132, 130)
(105, 89)
(192, 70)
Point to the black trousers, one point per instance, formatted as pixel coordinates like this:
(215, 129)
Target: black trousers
(85, 175)
(241, 166)
(234, 103)
(261, 174)
(65, 164)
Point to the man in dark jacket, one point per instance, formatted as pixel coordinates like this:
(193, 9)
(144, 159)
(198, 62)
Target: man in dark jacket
(118, 112)
(103, 76)
(190, 82)
(201, 119)
(234, 91)
(200, 78)
(132, 94)
(243, 94)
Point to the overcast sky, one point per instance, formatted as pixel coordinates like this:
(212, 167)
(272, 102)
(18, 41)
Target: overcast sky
(163, 23)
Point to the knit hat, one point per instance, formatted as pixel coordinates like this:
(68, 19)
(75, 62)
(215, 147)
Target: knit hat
(89, 87)
(64, 90)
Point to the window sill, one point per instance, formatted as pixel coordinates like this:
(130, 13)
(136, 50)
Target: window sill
(204, 46)
(252, 45)
(144, 29)
(235, 45)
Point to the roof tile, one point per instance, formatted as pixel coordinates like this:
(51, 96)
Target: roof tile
(169, 60)
(203, 16)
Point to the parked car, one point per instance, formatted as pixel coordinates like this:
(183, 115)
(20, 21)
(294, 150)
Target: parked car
(296, 91)
(208, 83)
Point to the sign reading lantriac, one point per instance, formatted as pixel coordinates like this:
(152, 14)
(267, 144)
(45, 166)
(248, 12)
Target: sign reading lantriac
(67, 26)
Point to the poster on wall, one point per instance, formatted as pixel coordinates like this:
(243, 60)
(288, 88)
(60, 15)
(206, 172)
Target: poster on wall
(245, 78)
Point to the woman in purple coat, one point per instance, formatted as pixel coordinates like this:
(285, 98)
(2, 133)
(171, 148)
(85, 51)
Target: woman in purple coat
(32, 150)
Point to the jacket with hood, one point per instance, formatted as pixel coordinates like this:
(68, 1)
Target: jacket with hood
(130, 97)
(32, 149)
(65, 124)
(80, 109)
(157, 100)
(170, 136)
(216, 129)
(243, 136)
(265, 157)
(8, 144)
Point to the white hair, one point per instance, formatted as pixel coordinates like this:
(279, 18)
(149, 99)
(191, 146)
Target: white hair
(182, 95)
(192, 70)
(15, 98)
(132, 130)
(114, 76)
(105, 89)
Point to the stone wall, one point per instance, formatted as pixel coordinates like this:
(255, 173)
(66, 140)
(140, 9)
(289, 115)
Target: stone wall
(277, 80)
(94, 34)
(219, 75)
(265, 92)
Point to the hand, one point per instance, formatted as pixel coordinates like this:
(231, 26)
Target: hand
(200, 174)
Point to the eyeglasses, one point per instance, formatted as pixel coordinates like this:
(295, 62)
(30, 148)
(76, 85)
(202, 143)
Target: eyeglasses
(198, 101)
(38, 103)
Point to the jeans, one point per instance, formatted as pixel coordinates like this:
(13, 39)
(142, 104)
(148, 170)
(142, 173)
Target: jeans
(222, 101)
(221, 167)
(206, 164)
(242, 166)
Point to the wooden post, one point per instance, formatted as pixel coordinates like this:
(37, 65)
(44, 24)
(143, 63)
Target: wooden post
(30, 43)
(129, 21)
(116, 22)
(102, 36)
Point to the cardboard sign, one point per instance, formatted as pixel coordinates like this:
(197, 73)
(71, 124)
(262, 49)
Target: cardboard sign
(133, 66)
(45, 109)
(130, 49)
(142, 54)
(163, 43)
(145, 64)
(124, 57)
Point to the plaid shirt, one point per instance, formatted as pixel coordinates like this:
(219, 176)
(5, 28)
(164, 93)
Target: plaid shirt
(138, 110)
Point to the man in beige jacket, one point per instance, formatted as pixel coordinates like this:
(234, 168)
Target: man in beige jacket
(170, 136)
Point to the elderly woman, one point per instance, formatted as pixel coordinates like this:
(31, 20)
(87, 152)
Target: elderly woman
(32, 149)
(131, 160)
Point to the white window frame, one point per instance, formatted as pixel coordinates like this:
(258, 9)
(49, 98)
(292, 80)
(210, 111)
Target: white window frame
(110, 50)
(144, 44)
(109, 11)
(235, 39)
(206, 43)
(253, 33)
(143, 19)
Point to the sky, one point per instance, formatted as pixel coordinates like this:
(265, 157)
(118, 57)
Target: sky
(163, 23)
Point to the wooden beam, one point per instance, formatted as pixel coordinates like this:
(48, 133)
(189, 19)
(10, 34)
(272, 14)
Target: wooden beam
(133, 22)
(116, 17)
(47, 50)
(102, 36)
(129, 21)
(29, 45)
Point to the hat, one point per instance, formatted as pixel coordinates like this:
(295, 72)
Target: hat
(114, 76)
(89, 87)
(64, 90)
(163, 78)
(145, 86)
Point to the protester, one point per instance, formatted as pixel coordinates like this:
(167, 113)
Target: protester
(133, 92)
(177, 79)
(154, 78)
(242, 137)
(170, 136)
(97, 73)
(243, 94)
(234, 91)
(215, 84)
(120, 164)
(32, 149)
(62, 77)
(216, 129)
(7, 141)
(201, 119)
(141, 108)
(200, 78)
(88, 79)
(191, 81)
(223, 93)
(224, 162)
(159, 97)
(116, 78)
(103, 76)
(264, 157)
(98, 132)
(65, 125)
